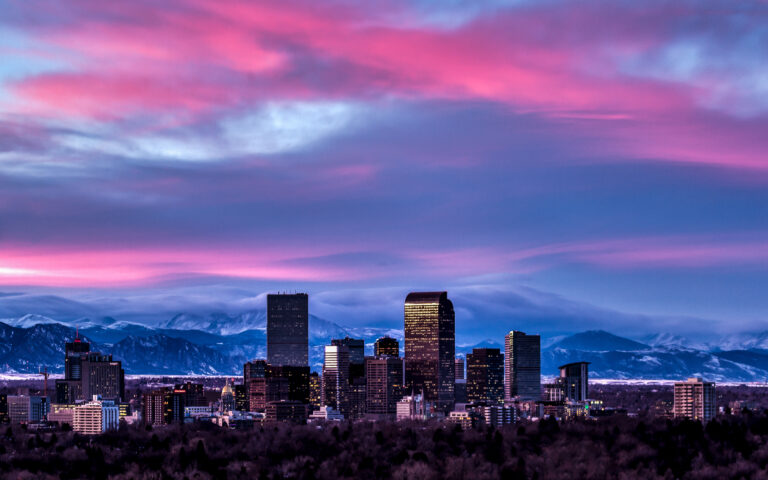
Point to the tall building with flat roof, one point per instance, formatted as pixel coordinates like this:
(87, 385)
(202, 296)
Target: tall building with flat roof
(335, 392)
(384, 387)
(386, 346)
(102, 376)
(574, 378)
(522, 376)
(485, 376)
(430, 340)
(288, 329)
(695, 399)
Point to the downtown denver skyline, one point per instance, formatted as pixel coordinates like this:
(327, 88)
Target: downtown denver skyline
(555, 166)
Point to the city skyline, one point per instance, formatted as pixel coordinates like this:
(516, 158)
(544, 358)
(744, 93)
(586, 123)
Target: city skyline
(156, 158)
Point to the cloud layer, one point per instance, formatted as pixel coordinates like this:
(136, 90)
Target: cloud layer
(612, 152)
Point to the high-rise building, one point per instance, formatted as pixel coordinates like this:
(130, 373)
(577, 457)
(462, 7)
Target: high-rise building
(288, 329)
(335, 392)
(695, 399)
(95, 417)
(296, 378)
(315, 391)
(485, 376)
(242, 402)
(194, 394)
(174, 403)
(253, 369)
(430, 338)
(386, 347)
(69, 389)
(356, 349)
(73, 351)
(153, 411)
(384, 387)
(102, 376)
(357, 380)
(459, 367)
(522, 376)
(574, 378)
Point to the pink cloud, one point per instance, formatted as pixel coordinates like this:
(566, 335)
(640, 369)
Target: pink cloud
(558, 61)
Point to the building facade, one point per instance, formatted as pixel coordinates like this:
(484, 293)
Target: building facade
(386, 347)
(288, 329)
(695, 399)
(430, 337)
(574, 378)
(384, 386)
(522, 376)
(485, 376)
(95, 417)
(335, 391)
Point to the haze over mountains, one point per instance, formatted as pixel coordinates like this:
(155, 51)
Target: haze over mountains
(219, 343)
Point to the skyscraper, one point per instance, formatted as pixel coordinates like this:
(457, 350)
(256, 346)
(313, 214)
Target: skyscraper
(459, 367)
(357, 379)
(695, 399)
(430, 337)
(485, 376)
(574, 378)
(384, 388)
(335, 391)
(386, 346)
(523, 366)
(288, 329)
(102, 376)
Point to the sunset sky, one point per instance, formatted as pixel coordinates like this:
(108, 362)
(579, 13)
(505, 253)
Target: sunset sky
(556, 166)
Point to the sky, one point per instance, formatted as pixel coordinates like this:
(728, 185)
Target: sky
(554, 165)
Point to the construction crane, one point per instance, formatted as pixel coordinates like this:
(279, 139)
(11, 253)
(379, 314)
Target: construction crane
(44, 372)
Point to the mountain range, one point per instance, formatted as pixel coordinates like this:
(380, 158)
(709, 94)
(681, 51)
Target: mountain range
(218, 344)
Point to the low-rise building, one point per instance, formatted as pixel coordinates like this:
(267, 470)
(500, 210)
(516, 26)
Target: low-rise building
(95, 417)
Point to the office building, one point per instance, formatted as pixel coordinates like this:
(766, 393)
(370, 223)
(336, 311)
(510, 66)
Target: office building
(254, 369)
(288, 329)
(411, 407)
(26, 408)
(73, 352)
(459, 367)
(153, 408)
(695, 399)
(194, 394)
(102, 376)
(386, 347)
(296, 379)
(242, 403)
(286, 411)
(485, 376)
(384, 388)
(95, 417)
(335, 391)
(174, 403)
(498, 415)
(315, 391)
(522, 376)
(574, 378)
(430, 338)
(460, 392)
(357, 380)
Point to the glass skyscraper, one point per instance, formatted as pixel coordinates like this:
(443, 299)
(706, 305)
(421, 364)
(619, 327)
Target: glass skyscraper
(288, 329)
(523, 366)
(485, 376)
(430, 337)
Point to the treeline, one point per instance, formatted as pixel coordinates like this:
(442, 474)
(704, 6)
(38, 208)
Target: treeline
(617, 447)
